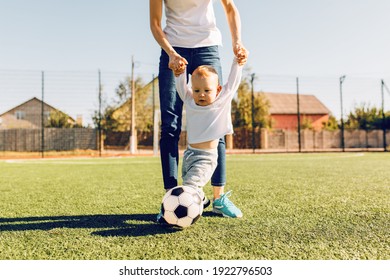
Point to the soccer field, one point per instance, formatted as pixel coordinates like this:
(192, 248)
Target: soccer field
(295, 206)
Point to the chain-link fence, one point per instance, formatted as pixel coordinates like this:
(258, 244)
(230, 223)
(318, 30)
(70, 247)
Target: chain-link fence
(48, 111)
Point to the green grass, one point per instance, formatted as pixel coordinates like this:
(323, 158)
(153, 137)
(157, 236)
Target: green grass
(296, 206)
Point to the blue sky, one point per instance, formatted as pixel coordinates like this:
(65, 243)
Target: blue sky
(286, 38)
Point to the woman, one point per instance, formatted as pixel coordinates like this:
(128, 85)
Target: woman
(189, 39)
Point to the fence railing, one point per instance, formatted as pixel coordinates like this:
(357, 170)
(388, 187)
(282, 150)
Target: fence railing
(55, 139)
(84, 97)
(78, 139)
(312, 140)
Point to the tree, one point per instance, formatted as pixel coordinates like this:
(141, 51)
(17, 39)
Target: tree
(59, 119)
(306, 123)
(364, 117)
(117, 115)
(331, 124)
(242, 107)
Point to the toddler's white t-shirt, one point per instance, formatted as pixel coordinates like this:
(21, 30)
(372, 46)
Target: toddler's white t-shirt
(206, 123)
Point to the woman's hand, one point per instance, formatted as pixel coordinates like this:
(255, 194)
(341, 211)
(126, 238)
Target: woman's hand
(177, 64)
(241, 53)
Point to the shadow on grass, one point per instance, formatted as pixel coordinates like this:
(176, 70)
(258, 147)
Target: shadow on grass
(110, 225)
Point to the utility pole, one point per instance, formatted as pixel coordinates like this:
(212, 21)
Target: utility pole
(100, 116)
(342, 78)
(253, 113)
(153, 96)
(133, 133)
(299, 116)
(42, 117)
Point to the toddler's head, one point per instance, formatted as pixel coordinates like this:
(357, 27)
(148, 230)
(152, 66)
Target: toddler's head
(205, 85)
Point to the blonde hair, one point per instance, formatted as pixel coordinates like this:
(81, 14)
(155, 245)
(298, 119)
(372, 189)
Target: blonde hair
(204, 71)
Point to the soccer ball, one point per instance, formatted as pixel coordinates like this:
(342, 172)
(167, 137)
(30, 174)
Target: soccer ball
(182, 206)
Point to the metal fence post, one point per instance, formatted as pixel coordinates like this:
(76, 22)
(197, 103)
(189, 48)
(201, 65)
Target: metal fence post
(298, 116)
(253, 113)
(342, 78)
(383, 86)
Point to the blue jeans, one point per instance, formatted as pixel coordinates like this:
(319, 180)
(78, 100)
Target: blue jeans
(171, 107)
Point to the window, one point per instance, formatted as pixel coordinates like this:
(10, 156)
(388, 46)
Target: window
(20, 115)
(46, 115)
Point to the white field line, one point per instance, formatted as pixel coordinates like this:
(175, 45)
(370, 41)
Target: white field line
(118, 160)
(285, 157)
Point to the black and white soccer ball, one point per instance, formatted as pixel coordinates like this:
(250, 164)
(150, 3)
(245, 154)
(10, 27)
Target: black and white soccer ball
(182, 206)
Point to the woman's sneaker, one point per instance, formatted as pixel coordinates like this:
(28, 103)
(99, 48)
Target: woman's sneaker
(225, 207)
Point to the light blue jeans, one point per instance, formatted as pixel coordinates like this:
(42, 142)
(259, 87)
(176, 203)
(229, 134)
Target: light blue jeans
(171, 107)
(198, 166)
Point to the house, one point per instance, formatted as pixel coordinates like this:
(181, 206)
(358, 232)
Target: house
(119, 122)
(145, 96)
(28, 115)
(284, 111)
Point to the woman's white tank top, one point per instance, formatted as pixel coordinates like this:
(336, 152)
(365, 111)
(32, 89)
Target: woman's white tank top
(191, 23)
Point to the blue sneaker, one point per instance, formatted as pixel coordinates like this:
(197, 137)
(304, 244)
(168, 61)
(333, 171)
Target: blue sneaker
(225, 207)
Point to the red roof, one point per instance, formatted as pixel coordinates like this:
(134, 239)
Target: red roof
(286, 103)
